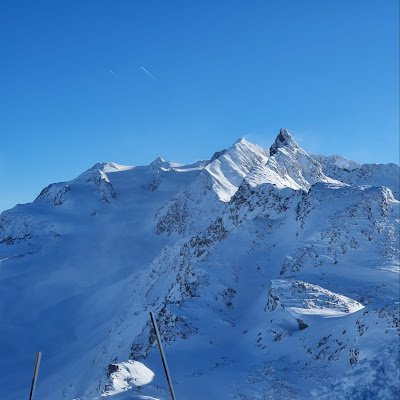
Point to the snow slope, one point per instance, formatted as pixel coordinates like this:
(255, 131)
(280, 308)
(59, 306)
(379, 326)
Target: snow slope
(272, 274)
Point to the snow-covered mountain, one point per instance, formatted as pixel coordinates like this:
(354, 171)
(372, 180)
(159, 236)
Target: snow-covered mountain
(273, 273)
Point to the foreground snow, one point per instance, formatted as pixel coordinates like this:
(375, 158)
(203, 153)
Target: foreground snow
(127, 374)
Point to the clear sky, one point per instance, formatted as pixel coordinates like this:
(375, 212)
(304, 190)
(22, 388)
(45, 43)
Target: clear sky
(83, 81)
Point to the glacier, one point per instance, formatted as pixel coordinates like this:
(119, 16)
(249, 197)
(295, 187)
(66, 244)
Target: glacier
(273, 274)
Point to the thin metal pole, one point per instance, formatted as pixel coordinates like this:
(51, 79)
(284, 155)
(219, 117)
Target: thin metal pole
(164, 360)
(35, 374)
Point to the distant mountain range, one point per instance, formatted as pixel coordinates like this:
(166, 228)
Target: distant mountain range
(273, 274)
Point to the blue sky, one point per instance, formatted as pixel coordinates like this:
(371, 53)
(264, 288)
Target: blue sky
(75, 91)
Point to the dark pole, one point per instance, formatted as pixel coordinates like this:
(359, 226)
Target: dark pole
(35, 374)
(163, 359)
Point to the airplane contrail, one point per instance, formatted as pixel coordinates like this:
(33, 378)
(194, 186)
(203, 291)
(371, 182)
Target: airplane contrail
(147, 72)
(112, 72)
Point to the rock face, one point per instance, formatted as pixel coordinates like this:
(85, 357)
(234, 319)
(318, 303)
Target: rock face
(272, 274)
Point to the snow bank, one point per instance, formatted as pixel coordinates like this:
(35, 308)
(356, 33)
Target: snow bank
(303, 298)
(126, 375)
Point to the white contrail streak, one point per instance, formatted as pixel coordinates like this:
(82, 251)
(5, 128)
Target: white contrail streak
(147, 72)
(112, 72)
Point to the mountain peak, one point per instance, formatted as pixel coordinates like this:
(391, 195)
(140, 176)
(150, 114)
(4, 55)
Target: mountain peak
(229, 167)
(241, 140)
(284, 139)
(157, 161)
(107, 167)
(289, 166)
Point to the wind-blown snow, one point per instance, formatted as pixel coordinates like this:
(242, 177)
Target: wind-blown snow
(335, 161)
